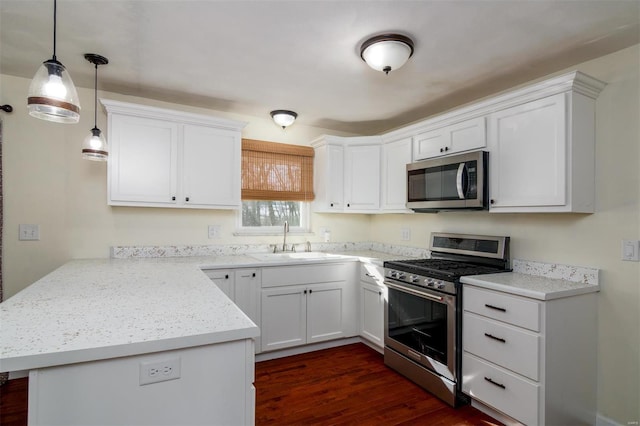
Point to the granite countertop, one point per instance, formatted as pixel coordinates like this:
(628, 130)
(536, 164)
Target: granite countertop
(104, 308)
(535, 287)
(96, 309)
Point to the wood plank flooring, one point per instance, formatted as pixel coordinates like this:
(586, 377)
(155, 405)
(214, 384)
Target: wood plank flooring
(348, 385)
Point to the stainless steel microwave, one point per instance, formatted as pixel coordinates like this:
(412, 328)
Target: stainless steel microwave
(449, 183)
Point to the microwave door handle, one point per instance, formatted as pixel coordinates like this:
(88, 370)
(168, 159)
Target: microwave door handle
(460, 181)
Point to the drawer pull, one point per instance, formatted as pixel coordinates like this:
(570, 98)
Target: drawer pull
(370, 275)
(501, 386)
(499, 339)
(495, 308)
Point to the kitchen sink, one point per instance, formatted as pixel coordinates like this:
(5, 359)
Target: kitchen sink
(293, 256)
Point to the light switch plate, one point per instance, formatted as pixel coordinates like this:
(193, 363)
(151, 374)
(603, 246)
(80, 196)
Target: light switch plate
(28, 232)
(630, 249)
(406, 234)
(214, 231)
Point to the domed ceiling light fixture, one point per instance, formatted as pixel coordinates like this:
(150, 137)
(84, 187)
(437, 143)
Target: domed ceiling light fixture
(94, 147)
(52, 95)
(386, 52)
(283, 117)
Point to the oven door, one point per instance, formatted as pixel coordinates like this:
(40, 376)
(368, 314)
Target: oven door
(420, 324)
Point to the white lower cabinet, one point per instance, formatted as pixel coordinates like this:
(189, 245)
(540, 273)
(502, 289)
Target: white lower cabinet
(243, 287)
(532, 360)
(305, 304)
(372, 295)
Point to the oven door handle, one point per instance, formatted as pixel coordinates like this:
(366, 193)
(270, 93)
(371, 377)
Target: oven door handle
(414, 292)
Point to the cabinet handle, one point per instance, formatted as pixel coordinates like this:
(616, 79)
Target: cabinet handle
(500, 385)
(499, 339)
(253, 275)
(173, 198)
(226, 277)
(370, 275)
(379, 293)
(495, 308)
(186, 199)
(305, 292)
(492, 201)
(331, 204)
(348, 205)
(446, 148)
(310, 291)
(441, 149)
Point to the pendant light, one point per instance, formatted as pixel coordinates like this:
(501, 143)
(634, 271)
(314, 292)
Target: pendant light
(283, 117)
(52, 95)
(386, 52)
(94, 146)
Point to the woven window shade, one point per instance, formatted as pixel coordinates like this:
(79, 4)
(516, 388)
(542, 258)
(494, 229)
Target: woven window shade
(275, 171)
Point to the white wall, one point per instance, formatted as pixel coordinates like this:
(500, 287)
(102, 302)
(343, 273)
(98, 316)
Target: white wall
(47, 183)
(592, 240)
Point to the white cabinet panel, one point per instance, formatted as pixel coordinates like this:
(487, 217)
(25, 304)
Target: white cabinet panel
(395, 157)
(284, 317)
(463, 136)
(211, 166)
(362, 177)
(372, 313)
(528, 154)
(143, 160)
(325, 312)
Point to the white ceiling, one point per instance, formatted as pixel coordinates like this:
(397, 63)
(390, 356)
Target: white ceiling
(251, 57)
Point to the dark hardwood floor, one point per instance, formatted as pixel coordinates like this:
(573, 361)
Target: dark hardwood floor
(348, 385)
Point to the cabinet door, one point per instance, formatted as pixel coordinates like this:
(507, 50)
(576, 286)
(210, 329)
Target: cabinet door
(224, 279)
(528, 154)
(325, 308)
(143, 161)
(395, 157)
(372, 313)
(335, 177)
(463, 136)
(284, 313)
(210, 167)
(362, 177)
(247, 296)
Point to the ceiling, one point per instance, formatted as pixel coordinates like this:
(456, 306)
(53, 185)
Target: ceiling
(250, 57)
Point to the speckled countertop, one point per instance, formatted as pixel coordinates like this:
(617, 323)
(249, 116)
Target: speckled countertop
(536, 287)
(103, 308)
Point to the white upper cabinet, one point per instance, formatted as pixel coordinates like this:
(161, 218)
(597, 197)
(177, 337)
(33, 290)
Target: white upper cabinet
(347, 174)
(542, 149)
(451, 139)
(395, 157)
(165, 158)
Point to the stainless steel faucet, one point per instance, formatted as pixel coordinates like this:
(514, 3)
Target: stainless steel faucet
(284, 234)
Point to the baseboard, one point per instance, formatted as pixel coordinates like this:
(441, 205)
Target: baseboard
(265, 356)
(605, 421)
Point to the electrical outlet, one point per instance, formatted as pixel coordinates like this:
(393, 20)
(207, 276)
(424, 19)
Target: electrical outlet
(159, 371)
(214, 231)
(406, 234)
(630, 250)
(29, 232)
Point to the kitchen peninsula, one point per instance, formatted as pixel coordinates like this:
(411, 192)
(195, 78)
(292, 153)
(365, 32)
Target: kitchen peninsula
(91, 332)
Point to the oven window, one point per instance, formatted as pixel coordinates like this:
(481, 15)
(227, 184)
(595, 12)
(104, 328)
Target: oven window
(418, 323)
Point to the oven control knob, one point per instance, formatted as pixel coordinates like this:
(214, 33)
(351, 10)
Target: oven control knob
(414, 278)
(393, 274)
(429, 282)
(401, 275)
(440, 286)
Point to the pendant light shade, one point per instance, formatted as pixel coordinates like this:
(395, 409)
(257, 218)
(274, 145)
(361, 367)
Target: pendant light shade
(386, 52)
(52, 95)
(94, 146)
(283, 117)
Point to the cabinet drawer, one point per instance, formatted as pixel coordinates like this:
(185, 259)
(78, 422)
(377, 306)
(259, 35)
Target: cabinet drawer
(371, 274)
(500, 389)
(304, 274)
(512, 348)
(514, 310)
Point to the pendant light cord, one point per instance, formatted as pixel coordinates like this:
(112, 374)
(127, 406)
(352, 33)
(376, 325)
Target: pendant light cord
(55, 9)
(95, 99)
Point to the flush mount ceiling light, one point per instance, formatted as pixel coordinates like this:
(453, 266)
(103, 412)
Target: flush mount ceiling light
(386, 52)
(94, 147)
(283, 117)
(52, 95)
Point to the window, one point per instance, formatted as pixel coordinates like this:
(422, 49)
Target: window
(277, 185)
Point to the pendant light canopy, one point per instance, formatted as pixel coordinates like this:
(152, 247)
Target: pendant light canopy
(386, 52)
(52, 95)
(283, 117)
(94, 146)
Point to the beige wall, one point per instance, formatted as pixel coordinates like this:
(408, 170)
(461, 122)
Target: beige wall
(576, 239)
(47, 183)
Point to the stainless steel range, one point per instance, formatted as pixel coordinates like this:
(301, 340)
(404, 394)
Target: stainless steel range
(423, 312)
